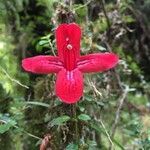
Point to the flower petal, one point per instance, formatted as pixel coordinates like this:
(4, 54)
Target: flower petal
(97, 62)
(68, 34)
(69, 85)
(42, 64)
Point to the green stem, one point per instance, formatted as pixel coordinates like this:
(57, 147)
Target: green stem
(76, 123)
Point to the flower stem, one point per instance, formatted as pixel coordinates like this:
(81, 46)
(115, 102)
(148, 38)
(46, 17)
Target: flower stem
(76, 137)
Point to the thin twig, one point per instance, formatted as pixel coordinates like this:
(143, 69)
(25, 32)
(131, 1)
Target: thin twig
(52, 49)
(13, 80)
(105, 13)
(117, 77)
(118, 112)
(29, 134)
(117, 116)
(118, 3)
(109, 138)
(94, 87)
(88, 2)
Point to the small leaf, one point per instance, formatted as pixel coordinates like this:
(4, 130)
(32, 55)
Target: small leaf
(99, 47)
(43, 42)
(60, 120)
(128, 19)
(92, 144)
(38, 104)
(81, 108)
(46, 37)
(7, 124)
(84, 117)
(88, 98)
(4, 128)
(72, 146)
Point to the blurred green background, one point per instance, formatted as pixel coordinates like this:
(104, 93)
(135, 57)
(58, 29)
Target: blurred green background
(114, 111)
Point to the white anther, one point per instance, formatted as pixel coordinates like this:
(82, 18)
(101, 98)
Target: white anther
(69, 46)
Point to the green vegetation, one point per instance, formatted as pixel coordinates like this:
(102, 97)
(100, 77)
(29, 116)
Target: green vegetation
(114, 111)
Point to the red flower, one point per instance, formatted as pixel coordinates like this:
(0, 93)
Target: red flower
(69, 65)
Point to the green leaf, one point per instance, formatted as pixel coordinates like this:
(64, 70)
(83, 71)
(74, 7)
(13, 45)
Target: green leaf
(88, 98)
(101, 48)
(81, 11)
(43, 42)
(92, 145)
(81, 108)
(7, 123)
(60, 120)
(128, 19)
(46, 37)
(84, 117)
(38, 104)
(72, 146)
(4, 128)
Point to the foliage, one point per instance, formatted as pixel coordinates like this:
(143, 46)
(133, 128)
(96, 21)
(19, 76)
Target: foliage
(29, 108)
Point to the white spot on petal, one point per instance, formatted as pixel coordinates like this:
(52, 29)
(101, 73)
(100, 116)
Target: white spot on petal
(69, 46)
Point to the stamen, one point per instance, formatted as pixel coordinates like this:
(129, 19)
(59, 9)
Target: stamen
(69, 46)
(67, 39)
